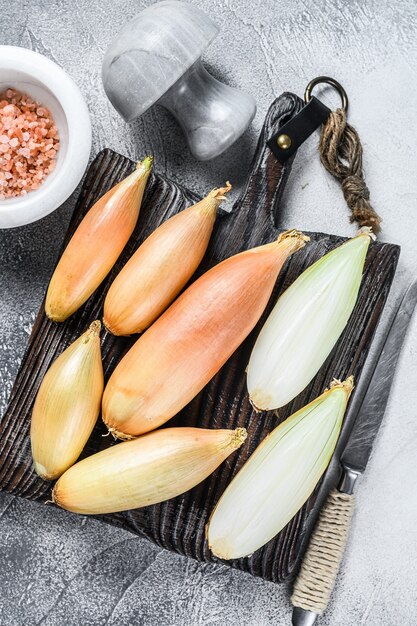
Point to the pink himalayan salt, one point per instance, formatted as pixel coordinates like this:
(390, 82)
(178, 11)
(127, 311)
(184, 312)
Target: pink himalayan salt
(29, 142)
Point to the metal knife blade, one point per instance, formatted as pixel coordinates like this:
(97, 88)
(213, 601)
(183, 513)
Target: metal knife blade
(372, 402)
(371, 411)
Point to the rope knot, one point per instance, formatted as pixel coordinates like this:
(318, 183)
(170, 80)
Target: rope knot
(341, 155)
(354, 189)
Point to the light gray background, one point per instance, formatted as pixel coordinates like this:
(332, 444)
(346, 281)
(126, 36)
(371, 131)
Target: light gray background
(59, 569)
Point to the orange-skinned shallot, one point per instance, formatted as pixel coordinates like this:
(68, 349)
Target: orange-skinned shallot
(96, 245)
(173, 360)
(161, 267)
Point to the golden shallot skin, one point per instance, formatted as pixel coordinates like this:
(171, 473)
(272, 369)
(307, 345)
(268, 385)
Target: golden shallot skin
(161, 267)
(67, 405)
(96, 245)
(173, 360)
(150, 469)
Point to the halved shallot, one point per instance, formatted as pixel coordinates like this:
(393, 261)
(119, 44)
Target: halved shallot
(279, 476)
(305, 324)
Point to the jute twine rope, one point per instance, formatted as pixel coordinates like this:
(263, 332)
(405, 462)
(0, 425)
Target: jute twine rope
(321, 562)
(341, 155)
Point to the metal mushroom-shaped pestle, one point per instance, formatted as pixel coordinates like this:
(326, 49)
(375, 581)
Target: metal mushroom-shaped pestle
(156, 58)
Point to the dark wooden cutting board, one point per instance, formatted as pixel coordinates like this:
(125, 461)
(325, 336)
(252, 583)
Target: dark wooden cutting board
(179, 524)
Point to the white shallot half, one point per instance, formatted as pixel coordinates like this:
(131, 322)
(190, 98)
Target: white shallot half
(305, 324)
(279, 476)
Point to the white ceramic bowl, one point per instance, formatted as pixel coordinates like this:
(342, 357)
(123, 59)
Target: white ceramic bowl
(47, 83)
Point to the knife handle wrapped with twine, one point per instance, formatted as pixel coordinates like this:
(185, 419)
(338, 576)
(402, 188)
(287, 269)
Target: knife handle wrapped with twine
(324, 554)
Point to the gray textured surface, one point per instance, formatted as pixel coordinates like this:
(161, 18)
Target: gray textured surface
(59, 569)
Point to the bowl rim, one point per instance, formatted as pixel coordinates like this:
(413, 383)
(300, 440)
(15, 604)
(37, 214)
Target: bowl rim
(37, 204)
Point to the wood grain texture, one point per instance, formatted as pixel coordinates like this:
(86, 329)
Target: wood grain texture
(179, 524)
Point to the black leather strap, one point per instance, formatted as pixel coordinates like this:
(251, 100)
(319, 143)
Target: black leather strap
(294, 132)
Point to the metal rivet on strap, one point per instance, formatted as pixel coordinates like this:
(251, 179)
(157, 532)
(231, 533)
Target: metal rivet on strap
(284, 141)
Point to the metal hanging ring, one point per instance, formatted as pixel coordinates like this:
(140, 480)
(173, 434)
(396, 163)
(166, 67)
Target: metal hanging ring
(328, 81)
